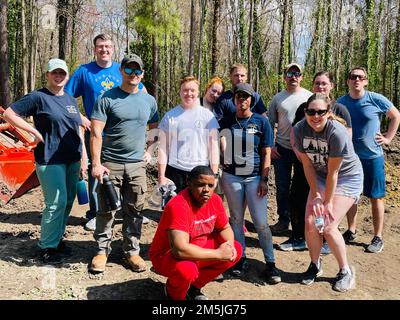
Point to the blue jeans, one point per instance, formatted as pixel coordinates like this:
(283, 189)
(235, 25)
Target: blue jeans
(283, 176)
(58, 182)
(240, 191)
(92, 182)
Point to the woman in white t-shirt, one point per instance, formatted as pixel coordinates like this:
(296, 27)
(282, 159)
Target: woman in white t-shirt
(188, 137)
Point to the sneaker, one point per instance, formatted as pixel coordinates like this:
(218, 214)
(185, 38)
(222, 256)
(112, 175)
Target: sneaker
(311, 274)
(91, 225)
(293, 245)
(345, 280)
(375, 246)
(145, 220)
(238, 269)
(195, 294)
(219, 278)
(98, 263)
(63, 249)
(280, 227)
(136, 263)
(349, 236)
(325, 249)
(272, 274)
(167, 296)
(50, 256)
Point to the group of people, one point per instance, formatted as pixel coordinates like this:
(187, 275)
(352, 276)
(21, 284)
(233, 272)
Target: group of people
(224, 140)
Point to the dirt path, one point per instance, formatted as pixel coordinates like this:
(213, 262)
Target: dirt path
(23, 277)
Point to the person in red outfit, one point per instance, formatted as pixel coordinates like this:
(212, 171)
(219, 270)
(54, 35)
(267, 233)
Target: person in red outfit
(194, 242)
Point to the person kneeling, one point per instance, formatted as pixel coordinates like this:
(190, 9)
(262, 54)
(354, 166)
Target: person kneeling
(194, 242)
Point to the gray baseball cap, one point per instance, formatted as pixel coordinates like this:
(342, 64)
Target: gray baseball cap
(244, 87)
(132, 58)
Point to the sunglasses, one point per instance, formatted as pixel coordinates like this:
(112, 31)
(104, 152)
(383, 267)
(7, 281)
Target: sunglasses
(242, 95)
(312, 112)
(129, 71)
(293, 74)
(357, 77)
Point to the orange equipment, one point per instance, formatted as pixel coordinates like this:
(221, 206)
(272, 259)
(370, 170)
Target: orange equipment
(17, 162)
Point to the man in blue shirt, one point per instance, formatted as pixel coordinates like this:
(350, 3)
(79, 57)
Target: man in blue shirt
(89, 81)
(225, 105)
(366, 108)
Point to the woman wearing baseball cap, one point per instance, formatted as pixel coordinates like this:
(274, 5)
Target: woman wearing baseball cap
(58, 152)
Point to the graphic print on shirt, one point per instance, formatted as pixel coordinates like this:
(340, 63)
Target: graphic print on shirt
(203, 226)
(106, 82)
(317, 150)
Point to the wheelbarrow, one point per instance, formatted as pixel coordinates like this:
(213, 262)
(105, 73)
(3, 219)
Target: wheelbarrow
(17, 162)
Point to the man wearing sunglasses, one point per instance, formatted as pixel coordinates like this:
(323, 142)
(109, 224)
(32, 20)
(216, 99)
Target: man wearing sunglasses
(366, 108)
(118, 147)
(281, 113)
(89, 81)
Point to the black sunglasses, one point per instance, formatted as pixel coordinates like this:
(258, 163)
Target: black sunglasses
(293, 74)
(312, 112)
(242, 95)
(129, 71)
(357, 77)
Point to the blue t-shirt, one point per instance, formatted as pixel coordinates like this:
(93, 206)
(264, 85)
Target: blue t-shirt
(57, 119)
(225, 105)
(126, 116)
(365, 117)
(245, 138)
(90, 80)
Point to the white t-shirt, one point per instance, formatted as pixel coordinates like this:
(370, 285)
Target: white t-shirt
(188, 132)
(282, 111)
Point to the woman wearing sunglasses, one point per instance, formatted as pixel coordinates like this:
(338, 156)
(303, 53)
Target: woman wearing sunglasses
(334, 174)
(322, 83)
(188, 138)
(246, 141)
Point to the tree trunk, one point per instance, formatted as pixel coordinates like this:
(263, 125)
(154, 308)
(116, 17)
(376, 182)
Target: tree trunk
(396, 80)
(192, 37)
(214, 50)
(62, 28)
(24, 50)
(155, 68)
(250, 41)
(203, 9)
(328, 40)
(338, 57)
(283, 54)
(4, 82)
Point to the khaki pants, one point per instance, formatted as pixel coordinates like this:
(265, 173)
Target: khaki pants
(129, 180)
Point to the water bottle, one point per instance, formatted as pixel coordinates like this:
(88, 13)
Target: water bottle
(319, 223)
(81, 191)
(111, 195)
(167, 193)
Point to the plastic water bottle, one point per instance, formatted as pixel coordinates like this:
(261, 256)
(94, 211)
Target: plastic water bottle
(81, 192)
(167, 193)
(111, 195)
(319, 223)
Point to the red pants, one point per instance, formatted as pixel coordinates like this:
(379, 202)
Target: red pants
(184, 273)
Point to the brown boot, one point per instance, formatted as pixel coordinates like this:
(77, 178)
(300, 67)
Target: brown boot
(136, 263)
(98, 263)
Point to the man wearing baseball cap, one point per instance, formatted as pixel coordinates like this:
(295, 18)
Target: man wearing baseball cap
(118, 149)
(281, 114)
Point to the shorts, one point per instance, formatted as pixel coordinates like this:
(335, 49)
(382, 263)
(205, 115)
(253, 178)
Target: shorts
(348, 186)
(374, 177)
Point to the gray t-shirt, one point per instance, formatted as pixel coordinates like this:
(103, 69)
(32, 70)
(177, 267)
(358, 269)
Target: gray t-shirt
(126, 116)
(333, 141)
(282, 110)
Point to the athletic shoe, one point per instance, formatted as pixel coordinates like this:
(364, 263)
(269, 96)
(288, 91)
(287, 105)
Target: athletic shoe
(293, 245)
(349, 236)
(345, 280)
(272, 274)
(311, 274)
(325, 249)
(376, 245)
(195, 294)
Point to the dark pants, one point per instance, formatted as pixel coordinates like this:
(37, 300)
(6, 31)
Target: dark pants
(298, 199)
(179, 177)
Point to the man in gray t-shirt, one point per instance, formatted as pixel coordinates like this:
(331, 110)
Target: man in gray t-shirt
(281, 113)
(117, 144)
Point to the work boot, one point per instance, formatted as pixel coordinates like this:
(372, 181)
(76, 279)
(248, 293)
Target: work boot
(136, 263)
(98, 263)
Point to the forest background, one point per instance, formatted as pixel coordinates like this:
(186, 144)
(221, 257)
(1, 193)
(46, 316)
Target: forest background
(204, 38)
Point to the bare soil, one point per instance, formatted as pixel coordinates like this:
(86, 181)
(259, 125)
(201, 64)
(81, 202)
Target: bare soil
(22, 276)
